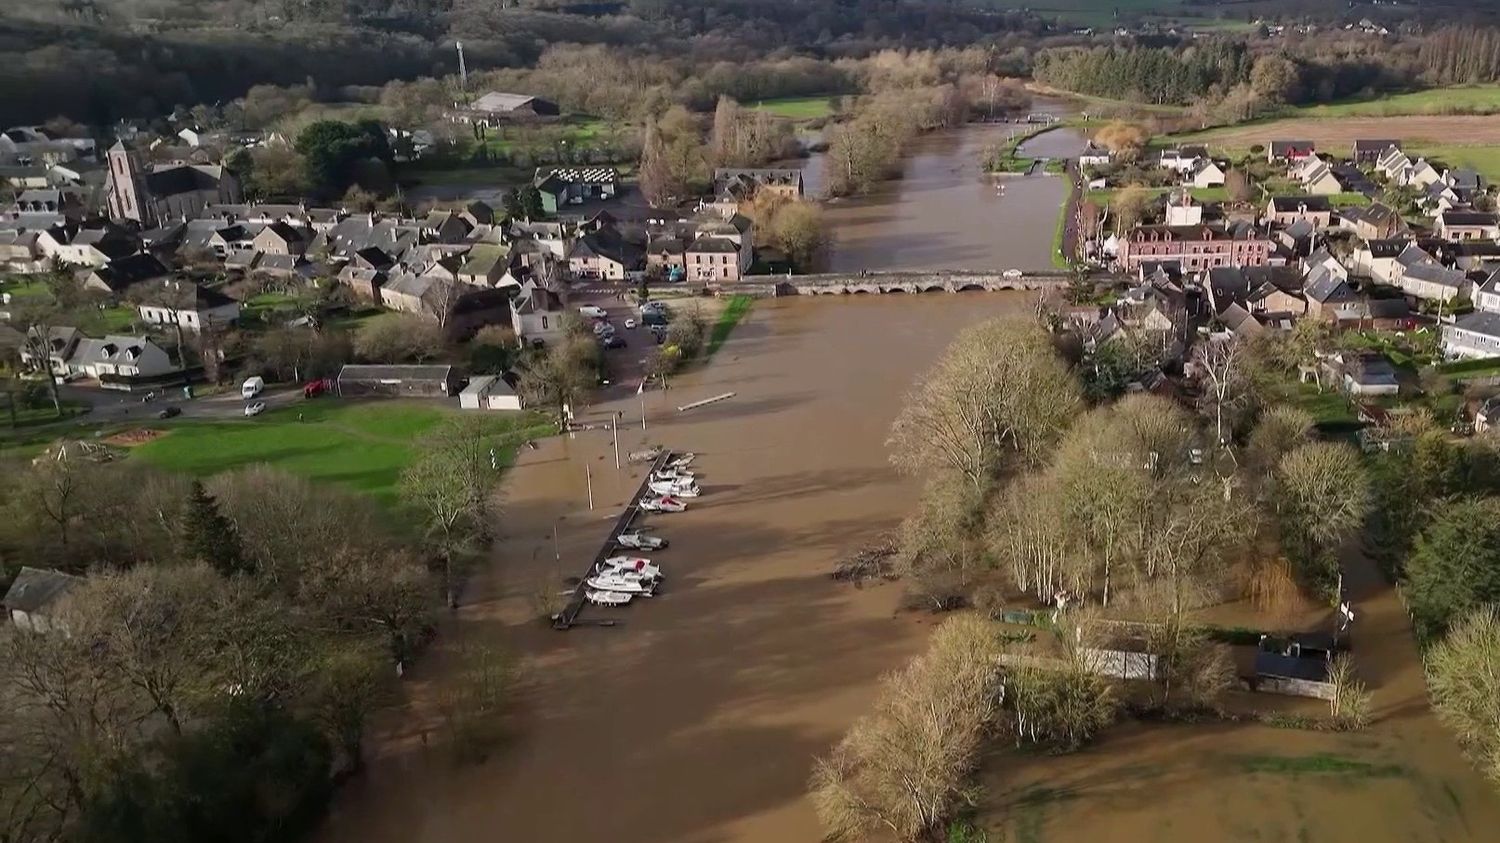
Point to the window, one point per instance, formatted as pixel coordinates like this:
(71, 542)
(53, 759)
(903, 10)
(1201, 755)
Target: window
(544, 323)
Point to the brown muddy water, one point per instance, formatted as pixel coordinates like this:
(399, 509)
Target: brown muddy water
(945, 212)
(698, 717)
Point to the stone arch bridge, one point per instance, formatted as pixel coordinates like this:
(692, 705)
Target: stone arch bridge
(825, 284)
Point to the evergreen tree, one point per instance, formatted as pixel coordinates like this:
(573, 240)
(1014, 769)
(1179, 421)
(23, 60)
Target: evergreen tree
(207, 536)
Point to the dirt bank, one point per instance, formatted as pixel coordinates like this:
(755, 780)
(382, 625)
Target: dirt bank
(696, 720)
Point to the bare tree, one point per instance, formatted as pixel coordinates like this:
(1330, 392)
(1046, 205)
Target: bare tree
(449, 484)
(999, 397)
(149, 628)
(1323, 494)
(1220, 367)
(902, 769)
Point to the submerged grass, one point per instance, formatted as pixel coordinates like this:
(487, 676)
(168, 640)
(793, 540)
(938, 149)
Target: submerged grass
(738, 307)
(1316, 764)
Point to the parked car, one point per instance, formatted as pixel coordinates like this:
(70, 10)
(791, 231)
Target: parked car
(255, 409)
(168, 412)
(612, 341)
(312, 389)
(653, 307)
(593, 311)
(630, 324)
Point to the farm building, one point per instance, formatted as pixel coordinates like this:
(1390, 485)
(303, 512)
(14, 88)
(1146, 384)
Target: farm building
(356, 381)
(496, 106)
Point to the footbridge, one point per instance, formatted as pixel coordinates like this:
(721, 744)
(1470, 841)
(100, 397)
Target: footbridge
(826, 284)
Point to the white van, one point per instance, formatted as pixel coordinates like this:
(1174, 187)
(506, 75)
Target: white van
(252, 387)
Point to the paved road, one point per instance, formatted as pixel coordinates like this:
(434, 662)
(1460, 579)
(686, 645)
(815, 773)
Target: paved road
(110, 406)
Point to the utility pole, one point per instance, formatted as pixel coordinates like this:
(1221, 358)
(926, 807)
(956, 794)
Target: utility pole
(588, 473)
(463, 69)
(614, 422)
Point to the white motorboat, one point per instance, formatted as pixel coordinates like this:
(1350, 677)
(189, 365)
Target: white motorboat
(607, 598)
(675, 488)
(631, 565)
(682, 461)
(640, 541)
(623, 583)
(673, 474)
(662, 503)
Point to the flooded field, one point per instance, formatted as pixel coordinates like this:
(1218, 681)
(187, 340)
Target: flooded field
(1401, 779)
(698, 717)
(945, 212)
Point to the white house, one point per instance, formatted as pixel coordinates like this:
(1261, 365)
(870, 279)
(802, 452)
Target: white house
(1473, 335)
(1206, 173)
(1094, 156)
(1487, 295)
(176, 302)
(1433, 282)
(536, 314)
(120, 355)
(491, 392)
(1182, 160)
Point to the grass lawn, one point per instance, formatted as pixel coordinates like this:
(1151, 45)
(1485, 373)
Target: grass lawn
(1467, 99)
(362, 446)
(799, 108)
(1485, 159)
(119, 319)
(738, 307)
(493, 175)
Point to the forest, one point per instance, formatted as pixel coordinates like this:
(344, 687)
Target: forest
(136, 60)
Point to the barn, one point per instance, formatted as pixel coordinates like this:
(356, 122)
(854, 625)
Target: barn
(355, 381)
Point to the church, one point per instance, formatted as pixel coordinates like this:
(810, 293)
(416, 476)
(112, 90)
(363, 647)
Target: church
(164, 193)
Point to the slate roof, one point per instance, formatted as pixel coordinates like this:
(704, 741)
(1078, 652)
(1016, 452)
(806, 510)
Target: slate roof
(122, 273)
(1290, 204)
(359, 372)
(183, 296)
(34, 589)
(1479, 218)
(1479, 322)
(1283, 148)
(1325, 287)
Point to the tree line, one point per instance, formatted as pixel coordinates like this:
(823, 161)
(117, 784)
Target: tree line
(1038, 494)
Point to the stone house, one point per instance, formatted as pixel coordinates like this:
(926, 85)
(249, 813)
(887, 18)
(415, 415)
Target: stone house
(1285, 210)
(34, 596)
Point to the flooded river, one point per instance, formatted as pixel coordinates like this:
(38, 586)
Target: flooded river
(698, 717)
(945, 212)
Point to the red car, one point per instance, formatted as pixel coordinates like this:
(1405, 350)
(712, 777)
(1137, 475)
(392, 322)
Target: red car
(312, 389)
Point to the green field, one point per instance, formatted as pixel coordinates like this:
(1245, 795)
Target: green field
(1468, 99)
(1485, 159)
(799, 108)
(362, 446)
(1099, 13)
